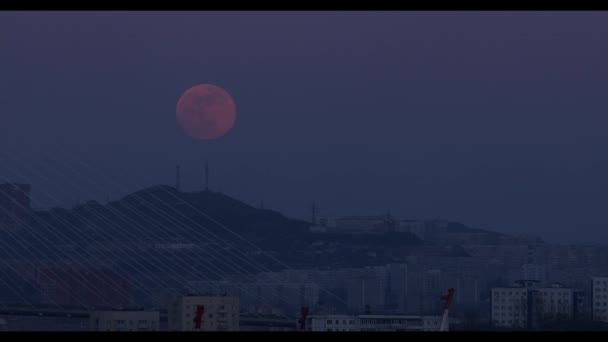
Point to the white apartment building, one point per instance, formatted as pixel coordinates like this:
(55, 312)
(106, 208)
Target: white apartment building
(555, 302)
(203, 313)
(509, 307)
(526, 306)
(372, 323)
(599, 297)
(124, 320)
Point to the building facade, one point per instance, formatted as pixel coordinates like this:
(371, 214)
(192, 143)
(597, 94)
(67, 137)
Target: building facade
(510, 307)
(526, 306)
(554, 303)
(203, 313)
(125, 320)
(599, 298)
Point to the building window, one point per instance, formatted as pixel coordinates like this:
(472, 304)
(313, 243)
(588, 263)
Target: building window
(329, 321)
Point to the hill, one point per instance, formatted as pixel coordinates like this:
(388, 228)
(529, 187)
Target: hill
(212, 222)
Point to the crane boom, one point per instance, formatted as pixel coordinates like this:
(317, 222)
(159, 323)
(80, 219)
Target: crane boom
(444, 324)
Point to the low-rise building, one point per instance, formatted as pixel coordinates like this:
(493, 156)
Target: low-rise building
(399, 323)
(204, 313)
(333, 323)
(372, 323)
(124, 320)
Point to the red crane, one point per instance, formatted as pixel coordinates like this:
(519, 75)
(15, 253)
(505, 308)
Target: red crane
(444, 324)
(302, 320)
(198, 318)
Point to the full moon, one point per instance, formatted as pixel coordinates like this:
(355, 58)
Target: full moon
(206, 112)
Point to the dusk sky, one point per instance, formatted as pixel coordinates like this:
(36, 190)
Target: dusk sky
(494, 119)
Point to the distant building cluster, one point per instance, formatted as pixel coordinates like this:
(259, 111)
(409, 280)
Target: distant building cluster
(599, 299)
(391, 289)
(501, 282)
(185, 313)
(526, 306)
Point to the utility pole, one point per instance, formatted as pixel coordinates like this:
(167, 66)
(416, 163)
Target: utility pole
(206, 175)
(177, 178)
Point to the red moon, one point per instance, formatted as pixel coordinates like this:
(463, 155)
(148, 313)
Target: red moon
(206, 112)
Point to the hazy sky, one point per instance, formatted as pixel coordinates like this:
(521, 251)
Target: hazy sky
(497, 120)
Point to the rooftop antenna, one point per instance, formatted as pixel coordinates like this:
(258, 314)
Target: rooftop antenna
(206, 175)
(177, 178)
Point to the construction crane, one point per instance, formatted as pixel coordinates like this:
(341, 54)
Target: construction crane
(198, 318)
(444, 325)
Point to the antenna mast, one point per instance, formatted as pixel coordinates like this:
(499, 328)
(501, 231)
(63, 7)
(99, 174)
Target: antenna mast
(177, 178)
(206, 175)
